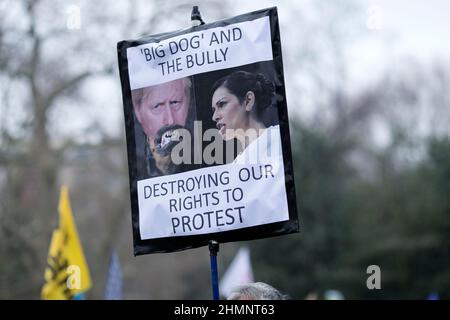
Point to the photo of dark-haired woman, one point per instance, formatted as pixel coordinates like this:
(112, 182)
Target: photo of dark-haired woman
(239, 101)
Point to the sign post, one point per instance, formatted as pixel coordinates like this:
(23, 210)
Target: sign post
(207, 128)
(213, 250)
(212, 245)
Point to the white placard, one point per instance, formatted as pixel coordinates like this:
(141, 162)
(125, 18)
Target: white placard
(197, 52)
(212, 199)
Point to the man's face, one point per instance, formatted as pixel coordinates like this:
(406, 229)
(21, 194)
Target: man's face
(163, 105)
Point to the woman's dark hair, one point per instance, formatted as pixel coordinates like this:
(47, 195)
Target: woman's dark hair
(241, 82)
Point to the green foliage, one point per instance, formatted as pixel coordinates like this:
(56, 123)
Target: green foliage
(399, 220)
(299, 264)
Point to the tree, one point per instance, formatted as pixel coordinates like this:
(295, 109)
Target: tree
(55, 60)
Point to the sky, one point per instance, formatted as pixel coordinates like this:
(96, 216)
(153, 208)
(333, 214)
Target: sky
(421, 26)
(378, 37)
(398, 30)
(389, 32)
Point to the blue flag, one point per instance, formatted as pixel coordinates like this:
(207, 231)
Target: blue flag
(114, 282)
(433, 296)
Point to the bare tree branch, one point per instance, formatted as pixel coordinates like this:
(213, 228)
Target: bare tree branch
(66, 85)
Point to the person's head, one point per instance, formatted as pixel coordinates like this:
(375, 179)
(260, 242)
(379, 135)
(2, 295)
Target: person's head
(239, 101)
(161, 106)
(256, 291)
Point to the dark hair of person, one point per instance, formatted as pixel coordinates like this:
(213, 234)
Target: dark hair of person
(240, 82)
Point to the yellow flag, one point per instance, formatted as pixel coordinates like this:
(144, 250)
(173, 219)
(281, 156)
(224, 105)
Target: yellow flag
(67, 272)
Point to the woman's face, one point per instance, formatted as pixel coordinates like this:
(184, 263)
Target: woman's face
(228, 113)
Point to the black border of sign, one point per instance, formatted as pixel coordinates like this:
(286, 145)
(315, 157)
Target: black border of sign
(172, 244)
